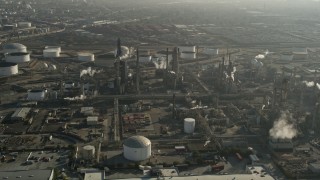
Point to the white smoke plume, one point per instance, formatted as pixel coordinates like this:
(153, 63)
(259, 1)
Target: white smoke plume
(91, 72)
(232, 73)
(260, 56)
(308, 84)
(81, 97)
(161, 63)
(283, 128)
(318, 86)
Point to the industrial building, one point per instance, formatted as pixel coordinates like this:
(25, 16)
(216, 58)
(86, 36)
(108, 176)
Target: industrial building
(28, 174)
(92, 120)
(20, 114)
(137, 148)
(87, 111)
(36, 95)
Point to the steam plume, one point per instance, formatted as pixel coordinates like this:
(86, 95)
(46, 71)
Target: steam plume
(283, 128)
(81, 97)
(308, 84)
(91, 72)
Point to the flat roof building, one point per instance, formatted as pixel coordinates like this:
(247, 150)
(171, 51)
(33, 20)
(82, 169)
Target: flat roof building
(92, 120)
(87, 111)
(20, 114)
(28, 174)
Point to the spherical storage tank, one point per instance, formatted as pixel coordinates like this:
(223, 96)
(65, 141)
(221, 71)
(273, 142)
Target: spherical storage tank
(86, 57)
(18, 57)
(8, 69)
(14, 47)
(36, 95)
(189, 125)
(188, 55)
(137, 148)
(88, 152)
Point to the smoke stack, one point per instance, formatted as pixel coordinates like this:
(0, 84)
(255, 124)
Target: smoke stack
(138, 73)
(174, 106)
(167, 59)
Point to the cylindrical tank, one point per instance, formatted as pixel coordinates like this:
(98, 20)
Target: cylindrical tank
(137, 148)
(210, 51)
(18, 57)
(187, 48)
(36, 95)
(58, 48)
(88, 152)
(14, 47)
(86, 57)
(24, 24)
(145, 58)
(8, 69)
(188, 55)
(189, 125)
(49, 53)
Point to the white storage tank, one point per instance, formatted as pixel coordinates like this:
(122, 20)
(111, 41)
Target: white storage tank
(58, 48)
(189, 125)
(88, 152)
(188, 55)
(187, 48)
(210, 51)
(50, 53)
(137, 148)
(145, 58)
(14, 47)
(24, 24)
(8, 69)
(85, 57)
(36, 95)
(18, 57)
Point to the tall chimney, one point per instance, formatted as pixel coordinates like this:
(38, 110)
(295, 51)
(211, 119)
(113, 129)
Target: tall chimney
(138, 73)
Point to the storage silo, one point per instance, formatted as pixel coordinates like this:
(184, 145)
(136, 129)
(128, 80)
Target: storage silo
(14, 47)
(8, 69)
(88, 152)
(86, 57)
(188, 55)
(189, 125)
(137, 148)
(18, 57)
(36, 95)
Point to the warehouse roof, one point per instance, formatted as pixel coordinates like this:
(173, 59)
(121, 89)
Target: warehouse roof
(21, 113)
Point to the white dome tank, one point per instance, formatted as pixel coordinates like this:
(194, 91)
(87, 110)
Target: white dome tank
(137, 148)
(14, 47)
(18, 57)
(36, 95)
(88, 152)
(188, 55)
(8, 69)
(50, 53)
(86, 57)
(187, 48)
(189, 125)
